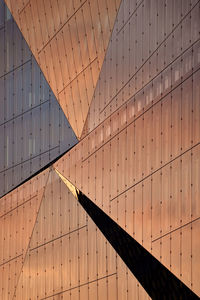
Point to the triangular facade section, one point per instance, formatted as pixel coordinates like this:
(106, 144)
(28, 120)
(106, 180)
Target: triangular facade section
(18, 215)
(69, 41)
(139, 210)
(115, 68)
(68, 256)
(33, 128)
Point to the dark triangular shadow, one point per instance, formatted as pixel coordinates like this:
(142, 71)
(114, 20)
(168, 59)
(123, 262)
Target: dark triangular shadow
(155, 278)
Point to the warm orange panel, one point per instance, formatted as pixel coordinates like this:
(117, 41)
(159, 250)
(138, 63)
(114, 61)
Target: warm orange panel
(165, 247)
(93, 290)
(91, 257)
(86, 29)
(195, 256)
(186, 115)
(138, 213)
(137, 164)
(112, 287)
(148, 145)
(83, 266)
(175, 253)
(121, 207)
(91, 176)
(186, 188)
(156, 204)
(176, 121)
(196, 105)
(99, 177)
(130, 171)
(165, 199)
(122, 162)
(166, 129)
(17, 224)
(176, 202)
(114, 163)
(186, 255)
(195, 207)
(130, 211)
(147, 213)
(139, 148)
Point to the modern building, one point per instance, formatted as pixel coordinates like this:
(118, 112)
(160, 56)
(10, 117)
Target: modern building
(101, 97)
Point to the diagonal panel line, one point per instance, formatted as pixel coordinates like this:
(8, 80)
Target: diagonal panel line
(119, 91)
(155, 278)
(58, 237)
(16, 68)
(128, 20)
(8, 261)
(28, 246)
(39, 171)
(29, 159)
(67, 21)
(24, 7)
(78, 287)
(76, 77)
(175, 229)
(16, 207)
(106, 50)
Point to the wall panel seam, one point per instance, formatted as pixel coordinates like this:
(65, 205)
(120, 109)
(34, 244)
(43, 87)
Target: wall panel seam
(130, 17)
(132, 96)
(61, 27)
(76, 287)
(77, 75)
(169, 162)
(24, 112)
(180, 227)
(6, 262)
(141, 115)
(27, 249)
(57, 238)
(29, 159)
(21, 10)
(146, 60)
(5, 74)
(18, 206)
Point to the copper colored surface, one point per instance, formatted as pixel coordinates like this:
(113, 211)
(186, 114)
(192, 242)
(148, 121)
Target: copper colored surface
(69, 41)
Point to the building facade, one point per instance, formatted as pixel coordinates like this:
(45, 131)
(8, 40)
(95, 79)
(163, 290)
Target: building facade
(125, 74)
(34, 129)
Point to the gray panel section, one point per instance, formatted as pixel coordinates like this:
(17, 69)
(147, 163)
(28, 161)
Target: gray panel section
(33, 127)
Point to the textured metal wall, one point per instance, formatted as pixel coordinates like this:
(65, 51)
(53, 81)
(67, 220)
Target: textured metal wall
(18, 214)
(63, 255)
(33, 128)
(149, 51)
(140, 157)
(69, 40)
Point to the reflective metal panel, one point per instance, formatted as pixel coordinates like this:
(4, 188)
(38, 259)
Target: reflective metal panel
(138, 158)
(85, 27)
(31, 122)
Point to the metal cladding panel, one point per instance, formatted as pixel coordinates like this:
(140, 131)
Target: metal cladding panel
(18, 215)
(145, 42)
(67, 256)
(140, 148)
(69, 41)
(33, 128)
(156, 210)
(138, 159)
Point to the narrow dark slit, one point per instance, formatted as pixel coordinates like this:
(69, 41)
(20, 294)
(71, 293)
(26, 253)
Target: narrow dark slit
(155, 278)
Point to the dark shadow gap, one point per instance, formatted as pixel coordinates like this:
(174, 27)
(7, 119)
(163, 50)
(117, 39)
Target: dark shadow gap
(155, 278)
(39, 171)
